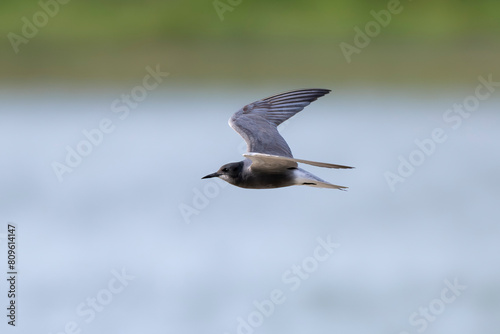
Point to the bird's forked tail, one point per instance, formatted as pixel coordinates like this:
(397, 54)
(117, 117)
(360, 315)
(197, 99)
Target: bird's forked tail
(303, 177)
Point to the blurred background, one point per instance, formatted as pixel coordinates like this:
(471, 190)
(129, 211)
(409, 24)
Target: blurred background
(111, 112)
(448, 42)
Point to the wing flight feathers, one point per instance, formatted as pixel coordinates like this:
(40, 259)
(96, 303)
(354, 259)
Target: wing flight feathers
(267, 161)
(257, 121)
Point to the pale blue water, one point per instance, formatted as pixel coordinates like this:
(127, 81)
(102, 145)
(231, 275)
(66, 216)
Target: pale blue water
(201, 271)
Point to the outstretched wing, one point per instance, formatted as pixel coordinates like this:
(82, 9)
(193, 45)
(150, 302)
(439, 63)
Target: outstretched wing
(257, 122)
(275, 163)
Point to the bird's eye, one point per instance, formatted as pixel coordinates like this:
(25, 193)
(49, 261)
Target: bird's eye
(224, 169)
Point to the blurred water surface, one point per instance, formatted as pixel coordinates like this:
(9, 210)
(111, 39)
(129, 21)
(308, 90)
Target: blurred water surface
(196, 263)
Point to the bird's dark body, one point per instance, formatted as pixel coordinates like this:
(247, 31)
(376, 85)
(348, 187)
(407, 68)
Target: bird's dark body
(234, 173)
(262, 180)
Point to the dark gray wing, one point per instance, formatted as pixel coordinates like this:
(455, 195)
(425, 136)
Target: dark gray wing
(257, 122)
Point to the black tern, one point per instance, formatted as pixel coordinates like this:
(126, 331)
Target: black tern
(269, 162)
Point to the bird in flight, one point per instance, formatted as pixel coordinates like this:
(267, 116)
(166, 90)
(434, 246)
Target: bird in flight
(269, 162)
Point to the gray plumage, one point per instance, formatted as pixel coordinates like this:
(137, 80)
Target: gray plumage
(269, 162)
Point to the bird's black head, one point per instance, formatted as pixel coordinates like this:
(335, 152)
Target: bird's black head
(229, 172)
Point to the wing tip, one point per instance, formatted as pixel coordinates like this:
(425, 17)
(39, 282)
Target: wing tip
(315, 93)
(345, 167)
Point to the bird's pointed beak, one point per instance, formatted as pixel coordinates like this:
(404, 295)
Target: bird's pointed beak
(211, 175)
